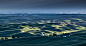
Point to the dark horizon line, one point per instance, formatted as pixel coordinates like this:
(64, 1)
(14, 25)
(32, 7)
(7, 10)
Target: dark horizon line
(44, 13)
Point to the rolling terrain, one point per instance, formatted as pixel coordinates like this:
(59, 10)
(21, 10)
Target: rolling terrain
(48, 24)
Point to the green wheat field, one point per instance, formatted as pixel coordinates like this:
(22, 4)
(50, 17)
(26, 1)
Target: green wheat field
(29, 28)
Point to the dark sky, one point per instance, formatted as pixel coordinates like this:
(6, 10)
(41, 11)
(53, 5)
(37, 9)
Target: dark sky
(42, 6)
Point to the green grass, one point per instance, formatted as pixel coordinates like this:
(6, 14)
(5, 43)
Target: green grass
(48, 41)
(48, 29)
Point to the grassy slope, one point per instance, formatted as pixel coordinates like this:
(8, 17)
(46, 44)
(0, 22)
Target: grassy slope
(36, 29)
(49, 41)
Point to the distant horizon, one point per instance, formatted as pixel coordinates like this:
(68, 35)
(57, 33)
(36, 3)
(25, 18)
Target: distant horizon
(43, 13)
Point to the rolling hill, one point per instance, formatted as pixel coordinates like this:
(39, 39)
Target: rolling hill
(47, 25)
